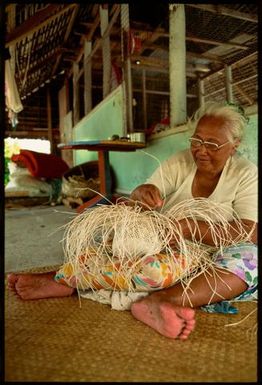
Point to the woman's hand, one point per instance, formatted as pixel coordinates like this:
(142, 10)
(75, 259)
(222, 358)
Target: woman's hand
(147, 195)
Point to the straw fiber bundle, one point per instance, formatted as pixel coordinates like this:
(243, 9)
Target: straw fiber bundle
(119, 239)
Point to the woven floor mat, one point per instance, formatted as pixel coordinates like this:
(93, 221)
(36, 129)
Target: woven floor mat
(57, 340)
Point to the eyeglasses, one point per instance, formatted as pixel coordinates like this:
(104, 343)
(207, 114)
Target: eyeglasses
(208, 145)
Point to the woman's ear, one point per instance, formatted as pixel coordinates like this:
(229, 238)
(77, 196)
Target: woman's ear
(235, 145)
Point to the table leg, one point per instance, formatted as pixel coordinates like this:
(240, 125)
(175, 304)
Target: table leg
(105, 182)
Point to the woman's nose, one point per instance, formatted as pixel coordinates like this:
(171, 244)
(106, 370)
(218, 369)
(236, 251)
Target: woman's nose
(201, 148)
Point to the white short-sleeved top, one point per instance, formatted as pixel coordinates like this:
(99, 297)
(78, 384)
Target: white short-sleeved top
(237, 188)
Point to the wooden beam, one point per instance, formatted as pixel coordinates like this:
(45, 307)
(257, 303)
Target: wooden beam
(233, 84)
(42, 60)
(243, 59)
(10, 18)
(245, 80)
(97, 45)
(152, 34)
(39, 133)
(89, 35)
(151, 92)
(244, 94)
(36, 22)
(233, 64)
(152, 68)
(211, 57)
(150, 61)
(220, 10)
(153, 46)
(68, 30)
(98, 42)
(216, 42)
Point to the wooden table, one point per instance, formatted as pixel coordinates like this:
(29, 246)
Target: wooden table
(102, 147)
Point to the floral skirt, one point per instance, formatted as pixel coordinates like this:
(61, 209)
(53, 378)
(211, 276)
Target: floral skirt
(157, 272)
(240, 260)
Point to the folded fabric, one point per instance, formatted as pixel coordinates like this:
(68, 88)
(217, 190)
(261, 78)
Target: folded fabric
(119, 300)
(41, 165)
(224, 307)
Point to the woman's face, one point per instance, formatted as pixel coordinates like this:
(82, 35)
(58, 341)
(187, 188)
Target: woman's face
(212, 129)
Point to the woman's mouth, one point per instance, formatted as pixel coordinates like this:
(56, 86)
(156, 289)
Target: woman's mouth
(202, 159)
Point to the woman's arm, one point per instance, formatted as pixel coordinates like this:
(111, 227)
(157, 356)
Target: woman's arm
(203, 232)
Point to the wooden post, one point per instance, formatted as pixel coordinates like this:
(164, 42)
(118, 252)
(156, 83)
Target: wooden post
(75, 93)
(127, 68)
(229, 88)
(201, 92)
(177, 64)
(87, 77)
(144, 97)
(49, 119)
(105, 50)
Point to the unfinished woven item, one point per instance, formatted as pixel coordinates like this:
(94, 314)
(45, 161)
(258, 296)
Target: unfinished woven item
(121, 247)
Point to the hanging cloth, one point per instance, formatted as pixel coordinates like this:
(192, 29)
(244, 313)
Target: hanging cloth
(13, 101)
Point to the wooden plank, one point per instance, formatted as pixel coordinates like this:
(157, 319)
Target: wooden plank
(107, 145)
(17, 194)
(32, 134)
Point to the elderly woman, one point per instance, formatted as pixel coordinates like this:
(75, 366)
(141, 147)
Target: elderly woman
(211, 169)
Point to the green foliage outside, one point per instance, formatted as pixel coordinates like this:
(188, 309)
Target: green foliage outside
(10, 149)
(7, 160)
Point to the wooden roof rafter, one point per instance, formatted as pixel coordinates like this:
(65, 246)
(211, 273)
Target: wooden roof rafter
(221, 10)
(68, 31)
(216, 42)
(36, 22)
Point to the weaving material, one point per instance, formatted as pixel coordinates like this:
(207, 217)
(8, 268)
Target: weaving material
(120, 247)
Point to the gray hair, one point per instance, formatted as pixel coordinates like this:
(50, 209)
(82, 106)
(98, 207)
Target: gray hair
(232, 114)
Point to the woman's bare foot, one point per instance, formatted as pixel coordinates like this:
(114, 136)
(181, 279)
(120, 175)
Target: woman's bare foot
(37, 286)
(167, 319)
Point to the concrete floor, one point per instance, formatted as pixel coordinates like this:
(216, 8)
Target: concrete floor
(33, 236)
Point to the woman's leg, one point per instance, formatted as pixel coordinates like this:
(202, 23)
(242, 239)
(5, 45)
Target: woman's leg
(37, 286)
(235, 272)
(170, 312)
